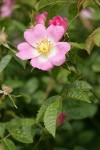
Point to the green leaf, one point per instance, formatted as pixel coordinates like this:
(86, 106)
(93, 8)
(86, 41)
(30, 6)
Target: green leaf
(13, 52)
(77, 45)
(23, 134)
(8, 144)
(93, 39)
(51, 115)
(74, 76)
(16, 123)
(27, 122)
(45, 106)
(21, 130)
(97, 39)
(2, 130)
(43, 3)
(4, 62)
(79, 85)
(27, 2)
(77, 90)
(78, 109)
(78, 95)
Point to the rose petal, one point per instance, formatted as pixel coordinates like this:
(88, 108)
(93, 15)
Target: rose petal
(42, 63)
(26, 51)
(58, 60)
(55, 33)
(23, 46)
(57, 54)
(32, 36)
(63, 47)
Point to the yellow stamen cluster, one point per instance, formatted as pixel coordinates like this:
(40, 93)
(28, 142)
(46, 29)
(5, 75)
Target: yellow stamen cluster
(44, 46)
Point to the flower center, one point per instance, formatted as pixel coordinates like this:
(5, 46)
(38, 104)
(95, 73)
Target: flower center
(44, 46)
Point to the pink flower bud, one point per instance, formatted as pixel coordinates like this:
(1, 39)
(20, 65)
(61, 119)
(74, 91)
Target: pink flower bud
(41, 18)
(87, 13)
(59, 21)
(61, 118)
(7, 8)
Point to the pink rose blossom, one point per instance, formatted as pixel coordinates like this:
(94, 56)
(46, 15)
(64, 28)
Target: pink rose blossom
(58, 21)
(7, 8)
(42, 46)
(41, 18)
(61, 118)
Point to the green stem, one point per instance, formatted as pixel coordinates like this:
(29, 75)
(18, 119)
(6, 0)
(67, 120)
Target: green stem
(5, 137)
(12, 100)
(73, 19)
